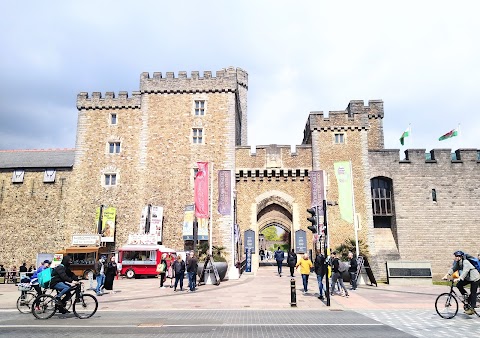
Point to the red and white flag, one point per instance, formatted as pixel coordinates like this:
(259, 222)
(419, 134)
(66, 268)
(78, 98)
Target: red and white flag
(201, 190)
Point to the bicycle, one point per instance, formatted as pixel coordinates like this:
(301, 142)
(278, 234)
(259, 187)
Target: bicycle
(84, 305)
(27, 296)
(446, 304)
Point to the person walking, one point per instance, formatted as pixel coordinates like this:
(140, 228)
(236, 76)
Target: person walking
(110, 273)
(320, 270)
(100, 275)
(192, 268)
(292, 261)
(162, 269)
(305, 265)
(179, 272)
(279, 257)
(170, 260)
(337, 275)
(352, 270)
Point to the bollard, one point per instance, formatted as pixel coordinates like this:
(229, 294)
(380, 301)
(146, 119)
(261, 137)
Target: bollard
(293, 295)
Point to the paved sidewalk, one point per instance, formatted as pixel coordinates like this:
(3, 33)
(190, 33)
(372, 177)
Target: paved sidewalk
(264, 291)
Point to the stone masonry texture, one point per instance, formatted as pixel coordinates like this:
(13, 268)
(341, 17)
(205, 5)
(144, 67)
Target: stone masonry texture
(271, 185)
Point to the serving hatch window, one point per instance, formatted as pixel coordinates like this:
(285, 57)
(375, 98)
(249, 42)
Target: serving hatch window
(140, 256)
(83, 258)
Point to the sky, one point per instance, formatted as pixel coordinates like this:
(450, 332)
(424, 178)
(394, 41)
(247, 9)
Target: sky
(420, 57)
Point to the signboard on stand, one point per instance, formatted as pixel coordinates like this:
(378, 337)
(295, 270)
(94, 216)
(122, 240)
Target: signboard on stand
(300, 241)
(249, 240)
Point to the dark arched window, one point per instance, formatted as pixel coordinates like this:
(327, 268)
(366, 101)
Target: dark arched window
(382, 201)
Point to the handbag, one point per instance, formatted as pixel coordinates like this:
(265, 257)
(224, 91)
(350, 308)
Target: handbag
(161, 268)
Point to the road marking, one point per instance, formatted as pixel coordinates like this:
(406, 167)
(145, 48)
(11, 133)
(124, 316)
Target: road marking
(181, 325)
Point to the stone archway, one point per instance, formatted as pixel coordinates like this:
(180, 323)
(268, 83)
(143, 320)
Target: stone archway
(275, 208)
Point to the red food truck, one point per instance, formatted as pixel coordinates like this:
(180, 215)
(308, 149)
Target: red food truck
(141, 260)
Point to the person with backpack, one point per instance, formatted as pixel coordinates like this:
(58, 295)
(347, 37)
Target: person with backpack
(337, 269)
(470, 274)
(352, 270)
(320, 270)
(34, 280)
(279, 257)
(292, 261)
(62, 275)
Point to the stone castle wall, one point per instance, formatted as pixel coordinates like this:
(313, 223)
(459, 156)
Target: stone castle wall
(428, 230)
(32, 215)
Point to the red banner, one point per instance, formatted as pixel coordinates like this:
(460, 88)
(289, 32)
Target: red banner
(224, 192)
(201, 190)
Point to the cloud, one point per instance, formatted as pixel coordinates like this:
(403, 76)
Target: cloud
(421, 58)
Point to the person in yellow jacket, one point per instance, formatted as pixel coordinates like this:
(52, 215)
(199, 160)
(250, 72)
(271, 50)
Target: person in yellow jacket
(305, 265)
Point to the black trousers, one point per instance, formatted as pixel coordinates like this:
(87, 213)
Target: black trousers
(473, 290)
(292, 269)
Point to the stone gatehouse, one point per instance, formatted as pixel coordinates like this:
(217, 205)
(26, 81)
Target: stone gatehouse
(142, 148)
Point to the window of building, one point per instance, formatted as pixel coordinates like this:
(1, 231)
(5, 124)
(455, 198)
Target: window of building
(114, 147)
(110, 179)
(339, 138)
(197, 135)
(382, 201)
(199, 107)
(113, 118)
(17, 176)
(49, 176)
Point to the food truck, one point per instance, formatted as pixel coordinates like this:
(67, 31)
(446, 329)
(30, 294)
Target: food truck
(141, 259)
(85, 251)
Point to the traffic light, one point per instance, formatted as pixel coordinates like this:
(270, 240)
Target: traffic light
(312, 219)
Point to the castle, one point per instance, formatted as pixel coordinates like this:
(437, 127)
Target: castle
(142, 149)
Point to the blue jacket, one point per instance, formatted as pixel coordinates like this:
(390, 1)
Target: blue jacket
(279, 255)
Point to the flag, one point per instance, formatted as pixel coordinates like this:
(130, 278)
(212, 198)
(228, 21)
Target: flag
(201, 190)
(406, 133)
(448, 135)
(345, 193)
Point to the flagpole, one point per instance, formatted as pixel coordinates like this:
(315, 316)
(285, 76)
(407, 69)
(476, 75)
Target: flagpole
(357, 250)
(210, 181)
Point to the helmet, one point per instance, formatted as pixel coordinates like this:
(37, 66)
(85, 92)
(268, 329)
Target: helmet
(458, 253)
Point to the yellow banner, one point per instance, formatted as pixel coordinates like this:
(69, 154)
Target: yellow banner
(108, 224)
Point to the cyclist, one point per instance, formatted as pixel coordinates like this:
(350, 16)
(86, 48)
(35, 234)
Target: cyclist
(468, 274)
(62, 275)
(46, 264)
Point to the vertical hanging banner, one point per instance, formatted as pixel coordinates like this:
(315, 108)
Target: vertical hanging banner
(97, 219)
(201, 190)
(202, 229)
(143, 220)
(224, 192)
(318, 189)
(156, 222)
(188, 222)
(345, 193)
(108, 224)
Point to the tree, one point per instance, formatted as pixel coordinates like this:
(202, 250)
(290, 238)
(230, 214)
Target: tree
(270, 233)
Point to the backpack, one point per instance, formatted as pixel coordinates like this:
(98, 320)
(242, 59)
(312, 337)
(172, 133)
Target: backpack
(474, 261)
(44, 277)
(342, 266)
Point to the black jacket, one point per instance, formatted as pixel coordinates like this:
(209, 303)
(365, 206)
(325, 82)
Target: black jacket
(192, 265)
(179, 267)
(292, 258)
(320, 265)
(62, 273)
(353, 265)
(335, 265)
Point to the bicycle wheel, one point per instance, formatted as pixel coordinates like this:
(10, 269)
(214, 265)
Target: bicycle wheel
(24, 302)
(85, 306)
(43, 307)
(446, 305)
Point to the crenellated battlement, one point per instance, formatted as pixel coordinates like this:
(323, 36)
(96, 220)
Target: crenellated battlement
(355, 116)
(225, 80)
(109, 101)
(419, 156)
(274, 157)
